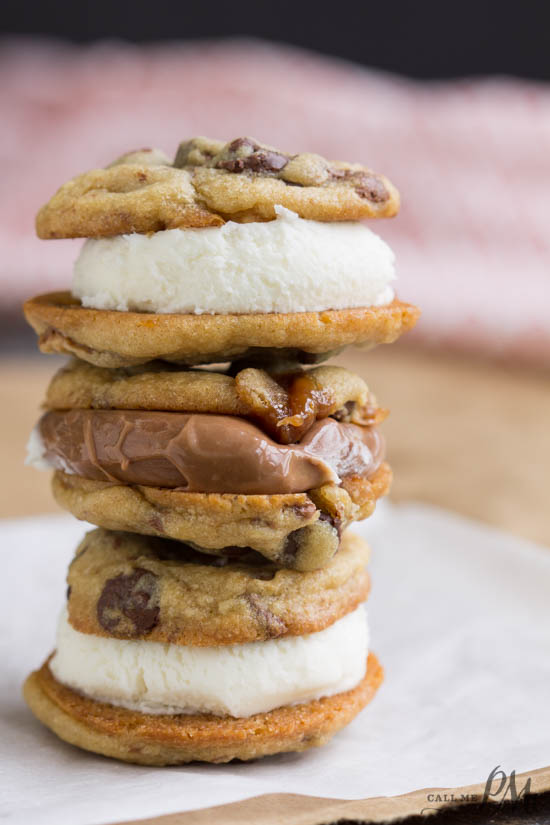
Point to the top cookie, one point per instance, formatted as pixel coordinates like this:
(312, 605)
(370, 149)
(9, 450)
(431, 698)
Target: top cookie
(208, 183)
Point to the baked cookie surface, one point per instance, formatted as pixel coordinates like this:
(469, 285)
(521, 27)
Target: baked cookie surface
(284, 404)
(127, 586)
(172, 740)
(301, 531)
(111, 339)
(208, 183)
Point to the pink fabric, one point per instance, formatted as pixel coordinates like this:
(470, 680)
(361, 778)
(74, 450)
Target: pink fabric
(471, 158)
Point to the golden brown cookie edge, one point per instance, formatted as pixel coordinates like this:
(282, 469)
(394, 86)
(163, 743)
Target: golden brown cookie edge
(109, 338)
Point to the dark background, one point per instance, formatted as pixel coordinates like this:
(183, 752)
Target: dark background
(424, 39)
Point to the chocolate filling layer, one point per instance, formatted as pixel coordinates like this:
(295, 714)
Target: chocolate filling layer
(204, 453)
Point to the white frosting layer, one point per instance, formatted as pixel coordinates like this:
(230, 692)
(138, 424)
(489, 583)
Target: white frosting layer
(235, 680)
(286, 265)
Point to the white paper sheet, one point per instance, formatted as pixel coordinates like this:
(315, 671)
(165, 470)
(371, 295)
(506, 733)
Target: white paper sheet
(460, 617)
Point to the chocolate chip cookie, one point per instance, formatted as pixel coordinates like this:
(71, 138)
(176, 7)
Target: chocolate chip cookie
(301, 531)
(108, 338)
(129, 586)
(208, 183)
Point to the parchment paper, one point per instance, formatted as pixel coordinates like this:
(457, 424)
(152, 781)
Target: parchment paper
(460, 617)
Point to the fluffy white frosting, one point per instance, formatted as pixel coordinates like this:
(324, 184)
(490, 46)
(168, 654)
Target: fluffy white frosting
(235, 680)
(286, 265)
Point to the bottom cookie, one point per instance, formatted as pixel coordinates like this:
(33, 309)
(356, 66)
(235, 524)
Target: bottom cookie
(173, 740)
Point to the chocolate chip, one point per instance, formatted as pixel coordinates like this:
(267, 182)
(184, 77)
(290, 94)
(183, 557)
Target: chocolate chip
(69, 589)
(292, 542)
(354, 175)
(366, 185)
(291, 547)
(241, 143)
(267, 162)
(372, 188)
(129, 604)
(334, 522)
(271, 624)
(313, 545)
(261, 161)
(233, 165)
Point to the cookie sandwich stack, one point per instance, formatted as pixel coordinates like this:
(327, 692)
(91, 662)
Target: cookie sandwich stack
(217, 611)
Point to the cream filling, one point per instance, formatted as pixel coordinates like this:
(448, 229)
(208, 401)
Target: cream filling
(286, 265)
(36, 451)
(237, 680)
